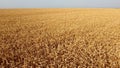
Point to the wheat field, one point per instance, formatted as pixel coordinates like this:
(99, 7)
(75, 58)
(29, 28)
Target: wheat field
(60, 38)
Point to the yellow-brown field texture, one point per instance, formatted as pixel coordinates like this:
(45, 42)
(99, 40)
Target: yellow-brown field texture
(60, 38)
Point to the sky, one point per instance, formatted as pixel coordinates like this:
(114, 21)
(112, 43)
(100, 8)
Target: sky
(59, 3)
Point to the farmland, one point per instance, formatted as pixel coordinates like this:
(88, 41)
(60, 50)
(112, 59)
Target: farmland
(60, 38)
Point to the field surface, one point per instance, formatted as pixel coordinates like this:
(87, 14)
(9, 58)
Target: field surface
(60, 38)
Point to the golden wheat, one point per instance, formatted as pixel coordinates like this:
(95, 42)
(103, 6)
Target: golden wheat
(60, 38)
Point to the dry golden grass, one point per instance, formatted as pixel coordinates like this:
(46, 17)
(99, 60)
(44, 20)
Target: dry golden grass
(60, 38)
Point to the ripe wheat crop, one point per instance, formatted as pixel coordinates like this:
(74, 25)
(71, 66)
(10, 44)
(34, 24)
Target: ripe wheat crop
(60, 38)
